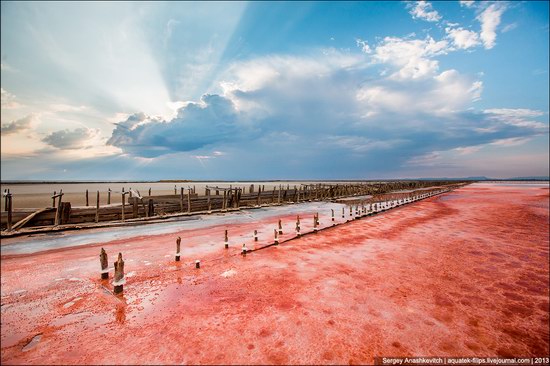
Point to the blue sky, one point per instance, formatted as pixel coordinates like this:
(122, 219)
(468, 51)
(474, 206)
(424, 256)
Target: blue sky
(274, 90)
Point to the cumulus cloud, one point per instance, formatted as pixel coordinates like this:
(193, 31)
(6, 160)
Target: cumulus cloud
(424, 10)
(412, 57)
(19, 125)
(212, 120)
(490, 19)
(79, 138)
(305, 111)
(462, 38)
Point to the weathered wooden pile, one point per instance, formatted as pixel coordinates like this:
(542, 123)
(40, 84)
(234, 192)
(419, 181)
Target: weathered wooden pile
(188, 202)
(361, 210)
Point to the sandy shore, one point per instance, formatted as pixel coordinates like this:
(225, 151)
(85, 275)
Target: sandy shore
(462, 274)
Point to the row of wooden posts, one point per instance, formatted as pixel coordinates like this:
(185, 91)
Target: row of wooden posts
(189, 202)
(360, 212)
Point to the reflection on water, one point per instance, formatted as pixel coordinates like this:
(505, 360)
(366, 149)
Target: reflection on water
(120, 312)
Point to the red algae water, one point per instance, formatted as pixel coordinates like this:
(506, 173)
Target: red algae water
(461, 274)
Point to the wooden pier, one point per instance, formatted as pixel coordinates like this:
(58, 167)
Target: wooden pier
(187, 202)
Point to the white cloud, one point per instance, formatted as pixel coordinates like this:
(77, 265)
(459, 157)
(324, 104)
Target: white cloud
(66, 108)
(467, 3)
(423, 10)
(517, 113)
(509, 27)
(8, 100)
(517, 117)
(79, 138)
(462, 38)
(19, 125)
(322, 106)
(363, 45)
(513, 141)
(490, 19)
(413, 57)
(211, 120)
(467, 150)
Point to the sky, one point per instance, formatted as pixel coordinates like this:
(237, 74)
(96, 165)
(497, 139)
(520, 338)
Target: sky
(274, 90)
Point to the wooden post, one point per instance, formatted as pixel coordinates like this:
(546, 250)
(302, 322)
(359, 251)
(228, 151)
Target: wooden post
(10, 210)
(209, 203)
(258, 199)
(135, 208)
(109, 196)
(297, 228)
(119, 281)
(149, 191)
(181, 199)
(255, 235)
(175, 189)
(97, 208)
(123, 205)
(314, 223)
(244, 250)
(273, 195)
(332, 214)
(104, 264)
(150, 208)
(58, 210)
(197, 264)
(226, 240)
(189, 200)
(53, 200)
(276, 240)
(224, 203)
(317, 188)
(123, 202)
(178, 243)
(280, 227)
(87, 198)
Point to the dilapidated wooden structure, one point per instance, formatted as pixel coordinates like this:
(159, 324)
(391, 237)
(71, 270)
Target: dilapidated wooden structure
(187, 202)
